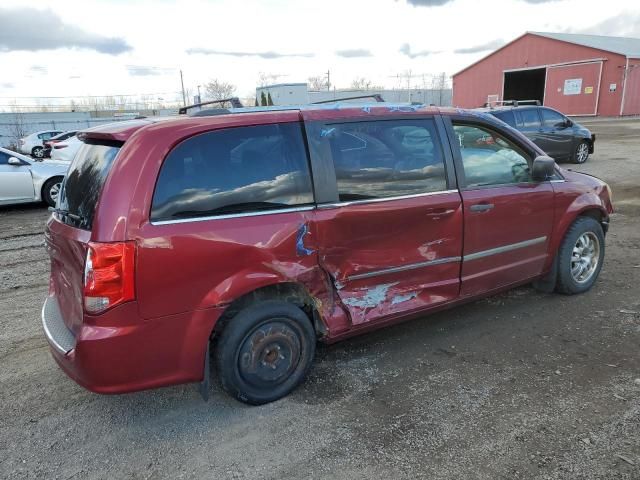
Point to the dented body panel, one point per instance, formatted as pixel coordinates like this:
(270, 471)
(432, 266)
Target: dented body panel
(387, 257)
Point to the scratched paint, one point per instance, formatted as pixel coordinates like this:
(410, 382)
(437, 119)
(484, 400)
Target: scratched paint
(372, 297)
(403, 298)
(301, 250)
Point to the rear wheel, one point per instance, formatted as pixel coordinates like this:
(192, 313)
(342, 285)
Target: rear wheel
(265, 351)
(37, 152)
(581, 153)
(580, 256)
(51, 190)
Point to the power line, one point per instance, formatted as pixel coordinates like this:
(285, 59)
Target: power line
(97, 96)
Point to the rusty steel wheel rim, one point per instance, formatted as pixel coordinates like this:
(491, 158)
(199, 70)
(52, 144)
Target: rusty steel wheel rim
(270, 353)
(585, 257)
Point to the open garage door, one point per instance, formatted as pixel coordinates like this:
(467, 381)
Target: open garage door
(524, 84)
(573, 89)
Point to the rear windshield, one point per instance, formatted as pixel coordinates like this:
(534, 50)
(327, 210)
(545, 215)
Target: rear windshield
(83, 183)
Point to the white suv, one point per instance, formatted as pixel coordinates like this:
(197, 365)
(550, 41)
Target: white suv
(33, 144)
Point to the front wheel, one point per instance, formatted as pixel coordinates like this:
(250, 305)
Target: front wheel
(580, 256)
(581, 153)
(51, 190)
(265, 351)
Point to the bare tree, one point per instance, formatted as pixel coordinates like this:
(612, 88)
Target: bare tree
(265, 79)
(362, 83)
(18, 127)
(439, 83)
(217, 90)
(319, 82)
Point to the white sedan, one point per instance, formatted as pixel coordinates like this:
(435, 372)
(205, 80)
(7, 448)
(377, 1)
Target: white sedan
(65, 151)
(22, 180)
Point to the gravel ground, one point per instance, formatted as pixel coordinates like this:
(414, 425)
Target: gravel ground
(521, 385)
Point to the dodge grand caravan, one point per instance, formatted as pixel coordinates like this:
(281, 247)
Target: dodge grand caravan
(255, 233)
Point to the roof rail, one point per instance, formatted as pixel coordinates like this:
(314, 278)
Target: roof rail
(376, 96)
(514, 103)
(234, 101)
(210, 112)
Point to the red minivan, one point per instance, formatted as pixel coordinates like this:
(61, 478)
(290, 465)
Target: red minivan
(253, 233)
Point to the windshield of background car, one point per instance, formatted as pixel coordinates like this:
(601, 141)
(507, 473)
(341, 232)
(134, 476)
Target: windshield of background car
(83, 184)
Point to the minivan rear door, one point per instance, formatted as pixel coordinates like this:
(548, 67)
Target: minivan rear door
(68, 231)
(389, 229)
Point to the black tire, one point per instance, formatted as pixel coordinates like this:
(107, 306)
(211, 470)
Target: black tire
(581, 152)
(37, 152)
(568, 283)
(49, 194)
(265, 352)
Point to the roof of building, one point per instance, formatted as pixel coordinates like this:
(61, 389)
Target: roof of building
(629, 47)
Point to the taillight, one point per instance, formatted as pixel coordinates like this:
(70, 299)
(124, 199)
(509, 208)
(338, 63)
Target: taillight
(108, 275)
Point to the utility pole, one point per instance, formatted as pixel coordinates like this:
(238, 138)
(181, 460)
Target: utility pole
(199, 97)
(184, 98)
(328, 80)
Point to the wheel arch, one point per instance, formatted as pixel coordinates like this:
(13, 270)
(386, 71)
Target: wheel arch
(592, 209)
(286, 291)
(45, 182)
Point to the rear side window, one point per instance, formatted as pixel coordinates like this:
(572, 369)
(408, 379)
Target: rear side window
(234, 171)
(530, 118)
(507, 117)
(388, 158)
(84, 181)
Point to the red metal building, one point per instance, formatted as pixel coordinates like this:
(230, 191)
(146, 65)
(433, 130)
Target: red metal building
(576, 74)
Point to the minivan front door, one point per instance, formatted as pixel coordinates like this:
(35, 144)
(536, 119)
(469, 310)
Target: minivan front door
(508, 216)
(391, 241)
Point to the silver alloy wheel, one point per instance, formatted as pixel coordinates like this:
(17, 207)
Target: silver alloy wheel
(583, 152)
(54, 191)
(585, 257)
(38, 152)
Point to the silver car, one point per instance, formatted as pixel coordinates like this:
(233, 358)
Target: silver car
(22, 180)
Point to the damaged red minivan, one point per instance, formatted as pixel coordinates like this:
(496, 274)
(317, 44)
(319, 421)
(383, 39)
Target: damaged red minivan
(254, 233)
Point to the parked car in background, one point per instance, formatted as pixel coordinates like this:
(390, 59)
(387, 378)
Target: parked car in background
(24, 180)
(559, 136)
(254, 233)
(48, 144)
(34, 144)
(65, 151)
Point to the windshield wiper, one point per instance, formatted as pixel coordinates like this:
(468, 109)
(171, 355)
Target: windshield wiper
(66, 213)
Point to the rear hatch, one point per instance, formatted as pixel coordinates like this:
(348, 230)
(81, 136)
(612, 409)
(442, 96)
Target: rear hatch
(68, 231)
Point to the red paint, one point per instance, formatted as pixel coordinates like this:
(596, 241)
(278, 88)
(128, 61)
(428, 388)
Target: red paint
(472, 85)
(581, 104)
(186, 274)
(631, 103)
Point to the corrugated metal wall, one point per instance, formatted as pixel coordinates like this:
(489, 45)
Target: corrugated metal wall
(472, 85)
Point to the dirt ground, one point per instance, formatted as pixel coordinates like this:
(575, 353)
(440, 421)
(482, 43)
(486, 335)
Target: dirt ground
(522, 385)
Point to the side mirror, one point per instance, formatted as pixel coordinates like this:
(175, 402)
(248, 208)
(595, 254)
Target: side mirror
(543, 168)
(14, 161)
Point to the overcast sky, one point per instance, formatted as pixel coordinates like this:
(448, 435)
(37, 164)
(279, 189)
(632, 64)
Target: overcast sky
(114, 47)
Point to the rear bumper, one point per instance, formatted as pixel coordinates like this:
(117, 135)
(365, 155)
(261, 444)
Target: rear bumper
(118, 352)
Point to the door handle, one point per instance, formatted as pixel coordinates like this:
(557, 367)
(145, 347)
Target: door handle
(439, 212)
(482, 207)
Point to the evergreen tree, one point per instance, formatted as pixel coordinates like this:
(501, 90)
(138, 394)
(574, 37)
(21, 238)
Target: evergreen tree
(269, 100)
